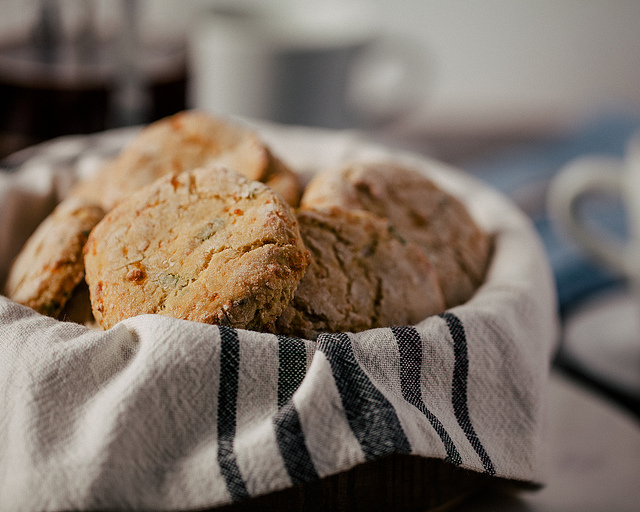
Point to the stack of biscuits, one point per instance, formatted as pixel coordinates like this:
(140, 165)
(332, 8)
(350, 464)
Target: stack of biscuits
(197, 219)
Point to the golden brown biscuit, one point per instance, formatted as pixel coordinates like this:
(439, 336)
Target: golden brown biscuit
(361, 276)
(181, 142)
(206, 245)
(50, 265)
(419, 211)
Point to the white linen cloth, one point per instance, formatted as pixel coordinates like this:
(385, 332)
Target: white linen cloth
(159, 413)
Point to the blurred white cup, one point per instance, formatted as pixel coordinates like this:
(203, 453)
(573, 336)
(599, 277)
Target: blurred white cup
(618, 178)
(313, 64)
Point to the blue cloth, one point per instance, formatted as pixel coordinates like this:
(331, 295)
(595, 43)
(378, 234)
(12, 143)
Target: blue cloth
(523, 171)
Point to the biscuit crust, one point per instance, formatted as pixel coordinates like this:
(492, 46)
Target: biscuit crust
(419, 211)
(206, 245)
(50, 265)
(181, 142)
(361, 276)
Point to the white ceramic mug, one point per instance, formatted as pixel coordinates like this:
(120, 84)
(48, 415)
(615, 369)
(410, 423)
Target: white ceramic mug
(619, 178)
(309, 64)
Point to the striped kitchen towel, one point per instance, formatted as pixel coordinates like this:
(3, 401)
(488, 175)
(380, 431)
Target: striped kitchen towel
(165, 414)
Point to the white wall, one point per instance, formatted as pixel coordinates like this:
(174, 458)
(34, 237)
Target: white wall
(509, 63)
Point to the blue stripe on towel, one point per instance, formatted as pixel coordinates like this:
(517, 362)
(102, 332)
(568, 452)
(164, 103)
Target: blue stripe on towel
(292, 366)
(227, 399)
(293, 448)
(410, 347)
(459, 391)
(371, 416)
(292, 363)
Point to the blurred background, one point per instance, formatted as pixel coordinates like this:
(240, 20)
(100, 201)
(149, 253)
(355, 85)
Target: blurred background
(510, 91)
(491, 71)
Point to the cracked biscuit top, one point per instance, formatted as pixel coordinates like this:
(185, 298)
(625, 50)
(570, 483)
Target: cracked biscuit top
(419, 211)
(362, 275)
(207, 245)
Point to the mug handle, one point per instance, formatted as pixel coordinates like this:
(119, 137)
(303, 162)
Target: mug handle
(572, 183)
(389, 78)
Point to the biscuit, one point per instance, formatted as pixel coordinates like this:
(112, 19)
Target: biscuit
(361, 276)
(207, 245)
(419, 212)
(50, 264)
(177, 143)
